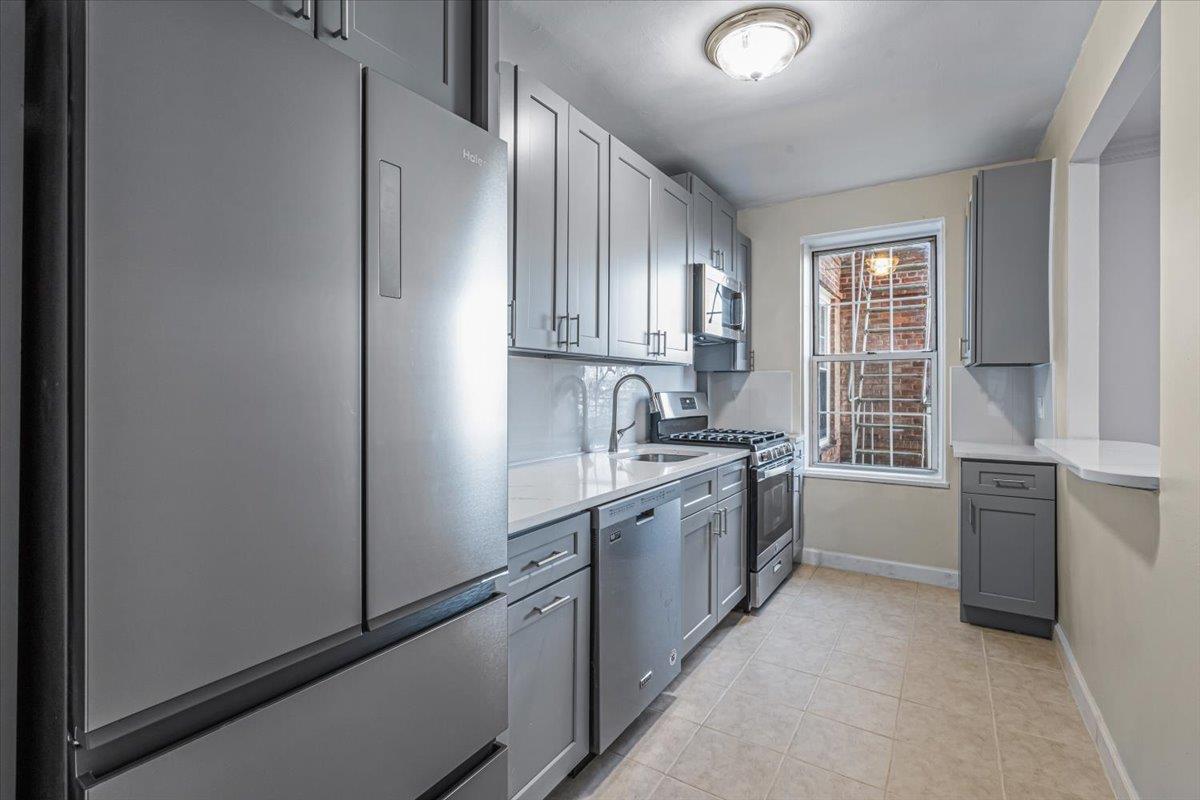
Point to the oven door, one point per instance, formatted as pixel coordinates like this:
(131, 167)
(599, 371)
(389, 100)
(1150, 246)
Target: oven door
(719, 311)
(771, 512)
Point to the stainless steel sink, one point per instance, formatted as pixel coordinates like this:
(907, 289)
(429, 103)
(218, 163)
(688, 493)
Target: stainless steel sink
(659, 458)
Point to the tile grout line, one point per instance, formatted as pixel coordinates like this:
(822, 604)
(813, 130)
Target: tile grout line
(995, 725)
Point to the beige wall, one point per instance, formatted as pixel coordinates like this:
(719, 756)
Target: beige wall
(912, 524)
(1129, 561)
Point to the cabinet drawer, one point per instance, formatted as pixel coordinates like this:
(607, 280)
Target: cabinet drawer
(731, 479)
(488, 781)
(1007, 479)
(698, 492)
(540, 557)
(391, 725)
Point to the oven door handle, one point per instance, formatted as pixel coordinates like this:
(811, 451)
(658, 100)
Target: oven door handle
(762, 473)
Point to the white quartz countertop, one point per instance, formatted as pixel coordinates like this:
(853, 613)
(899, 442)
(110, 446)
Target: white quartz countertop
(991, 451)
(1133, 464)
(543, 491)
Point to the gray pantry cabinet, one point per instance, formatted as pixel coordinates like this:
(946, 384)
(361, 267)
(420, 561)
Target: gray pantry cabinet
(1006, 301)
(1007, 546)
(713, 540)
(549, 643)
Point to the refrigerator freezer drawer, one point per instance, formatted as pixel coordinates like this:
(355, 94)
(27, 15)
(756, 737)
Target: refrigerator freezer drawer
(392, 725)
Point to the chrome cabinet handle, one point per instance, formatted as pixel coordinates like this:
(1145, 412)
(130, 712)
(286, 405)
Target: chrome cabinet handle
(575, 342)
(512, 323)
(344, 33)
(714, 522)
(305, 10)
(964, 349)
(972, 502)
(1009, 483)
(558, 601)
(550, 559)
(778, 566)
(662, 343)
(559, 339)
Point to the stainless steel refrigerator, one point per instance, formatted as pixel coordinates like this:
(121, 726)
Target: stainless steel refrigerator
(271, 493)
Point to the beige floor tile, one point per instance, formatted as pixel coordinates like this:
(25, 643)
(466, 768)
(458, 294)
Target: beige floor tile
(884, 583)
(947, 659)
(828, 592)
(776, 606)
(655, 739)
(936, 613)
(1033, 761)
(716, 664)
(803, 628)
(883, 618)
(854, 706)
(803, 571)
(745, 638)
(838, 576)
(787, 651)
(865, 673)
(725, 766)
(863, 642)
(791, 585)
(846, 750)
(938, 594)
(671, 789)
(610, 777)
(800, 781)
(1020, 789)
(775, 683)
(759, 622)
(1046, 685)
(921, 772)
(949, 635)
(815, 606)
(689, 697)
(962, 695)
(1018, 711)
(1028, 650)
(970, 737)
(755, 719)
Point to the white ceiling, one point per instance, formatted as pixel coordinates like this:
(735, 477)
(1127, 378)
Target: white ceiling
(886, 89)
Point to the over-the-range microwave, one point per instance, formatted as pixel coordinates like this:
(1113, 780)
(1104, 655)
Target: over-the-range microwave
(718, 307)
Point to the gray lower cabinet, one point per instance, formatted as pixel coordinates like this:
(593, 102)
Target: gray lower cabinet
(549, 645)
(424, 45)
(1006, 299)
(1008, 553)
(392, 725)
(699, 607)
(731, 554)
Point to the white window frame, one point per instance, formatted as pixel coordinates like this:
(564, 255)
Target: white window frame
(860, 237)
(827, 303)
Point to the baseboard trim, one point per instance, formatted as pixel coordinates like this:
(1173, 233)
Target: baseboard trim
(935, 576)
(1118, 777)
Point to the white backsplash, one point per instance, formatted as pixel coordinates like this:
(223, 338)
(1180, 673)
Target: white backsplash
(760, 399)
(999, 405)
(559, 406)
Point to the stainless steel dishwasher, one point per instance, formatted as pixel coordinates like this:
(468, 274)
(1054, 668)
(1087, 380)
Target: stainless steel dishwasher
(637, 635)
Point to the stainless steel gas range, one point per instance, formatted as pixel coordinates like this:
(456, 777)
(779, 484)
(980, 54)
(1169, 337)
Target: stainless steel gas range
(683, 419)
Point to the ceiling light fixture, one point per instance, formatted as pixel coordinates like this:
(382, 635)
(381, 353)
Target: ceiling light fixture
(758, 43)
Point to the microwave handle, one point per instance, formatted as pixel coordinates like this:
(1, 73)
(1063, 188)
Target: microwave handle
(739, 301)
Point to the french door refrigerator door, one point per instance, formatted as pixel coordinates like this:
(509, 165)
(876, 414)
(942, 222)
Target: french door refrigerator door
(220, 362)
(437, 366)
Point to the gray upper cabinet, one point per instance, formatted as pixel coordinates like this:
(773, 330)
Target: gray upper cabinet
(631, 253)
(724, 234)
(587, 236)
(540, 141)
(732, 356)
(705, 204)
(1006, 299)
(424, 45)
(673, 321)
(298, 13)
(699, 609)
(549, 657)
(221, 389)
(731, 554)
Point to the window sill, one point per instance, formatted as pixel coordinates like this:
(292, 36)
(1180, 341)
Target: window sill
(934, 481)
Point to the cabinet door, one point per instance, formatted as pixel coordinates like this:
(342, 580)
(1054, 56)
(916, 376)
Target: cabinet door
(587, 236)
(741, 267)
(631, 253)
(1012, 294)
(673, 321)
(221, 395)
(549, 652)
(724, 233)
(731, 555)
(704, 211)
(297, 13)
(424, 45)
(1008, 554)
(540, 252)
(699, 610)
(966, 345)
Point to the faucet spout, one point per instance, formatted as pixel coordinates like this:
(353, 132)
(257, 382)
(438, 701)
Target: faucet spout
(614, 437)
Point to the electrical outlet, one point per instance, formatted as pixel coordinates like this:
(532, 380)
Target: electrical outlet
(1041, 407)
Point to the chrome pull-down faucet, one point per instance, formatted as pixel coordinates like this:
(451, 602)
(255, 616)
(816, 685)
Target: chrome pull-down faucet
(614, 437)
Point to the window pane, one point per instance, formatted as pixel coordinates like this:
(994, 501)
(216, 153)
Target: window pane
(879, 413)
(879, 298)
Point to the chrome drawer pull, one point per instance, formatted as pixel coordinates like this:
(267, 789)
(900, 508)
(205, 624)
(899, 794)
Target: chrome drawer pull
(558, 601)
(778, 566)
(1007, 483)
(550, 559)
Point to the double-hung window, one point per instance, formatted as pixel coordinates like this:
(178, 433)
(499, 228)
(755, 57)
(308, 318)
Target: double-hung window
(874, 360)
